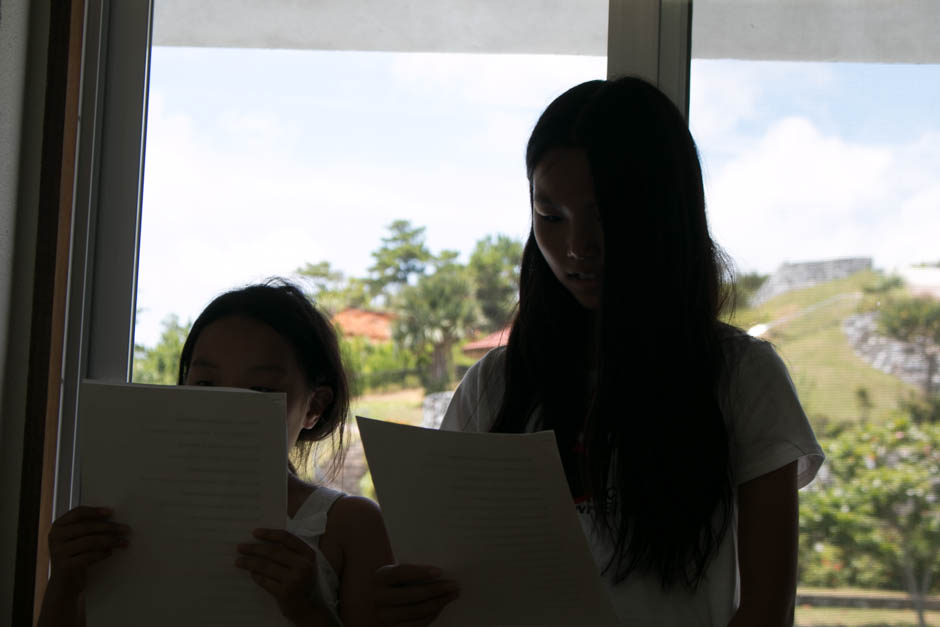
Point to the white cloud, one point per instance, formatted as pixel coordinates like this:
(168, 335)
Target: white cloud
(246, 193)
(720, 100)
(220, 214)
(797, 194)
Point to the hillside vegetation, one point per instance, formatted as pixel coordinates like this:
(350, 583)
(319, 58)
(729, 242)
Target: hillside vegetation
(806, 329)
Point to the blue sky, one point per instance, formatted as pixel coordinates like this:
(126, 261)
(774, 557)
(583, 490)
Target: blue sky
(258, 161)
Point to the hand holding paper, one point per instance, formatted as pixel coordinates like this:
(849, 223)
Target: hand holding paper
(494, 512)
(192, 471)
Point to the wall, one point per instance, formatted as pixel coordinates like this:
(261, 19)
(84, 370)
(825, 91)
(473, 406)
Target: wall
(23, 40)
(795, 276)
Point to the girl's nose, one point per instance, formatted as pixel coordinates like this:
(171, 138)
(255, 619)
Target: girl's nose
(584, 242)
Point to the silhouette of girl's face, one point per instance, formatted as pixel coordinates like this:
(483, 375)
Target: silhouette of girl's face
(240, 352)
(567, 225)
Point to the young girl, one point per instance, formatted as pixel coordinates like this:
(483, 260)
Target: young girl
(268, 338)
(682, 438)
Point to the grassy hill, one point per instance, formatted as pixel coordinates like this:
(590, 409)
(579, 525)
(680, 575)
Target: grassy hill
(806, 329)
(807, 332)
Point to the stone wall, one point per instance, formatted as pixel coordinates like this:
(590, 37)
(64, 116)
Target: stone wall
(795, 276)
(433, 409)
(888, 355)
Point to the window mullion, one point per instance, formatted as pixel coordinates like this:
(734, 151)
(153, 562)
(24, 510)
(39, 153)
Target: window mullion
(651, 39)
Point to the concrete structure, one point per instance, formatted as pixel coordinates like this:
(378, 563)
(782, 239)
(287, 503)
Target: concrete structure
(795, 276)
(922, 280)
(433, 409)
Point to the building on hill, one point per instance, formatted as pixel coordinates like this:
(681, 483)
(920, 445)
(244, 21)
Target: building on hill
(795, 276)
(478, 348)
(375, 326)
(922, 280)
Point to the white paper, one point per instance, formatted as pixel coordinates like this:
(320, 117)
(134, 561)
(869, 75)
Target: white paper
(495, 513)
(192, 471)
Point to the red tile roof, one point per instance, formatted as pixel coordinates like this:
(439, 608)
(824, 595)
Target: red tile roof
(374, 325)
(491, 341)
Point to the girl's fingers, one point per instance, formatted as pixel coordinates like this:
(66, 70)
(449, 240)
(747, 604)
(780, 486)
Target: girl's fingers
(259, 566)
(285, 539)
(417, 614)
(411, 594)
(405, 574)
(88, 544)
(87, 559)
(68, 532)
(83, 513)
(414, 594)
(267, 583)
(274, 553)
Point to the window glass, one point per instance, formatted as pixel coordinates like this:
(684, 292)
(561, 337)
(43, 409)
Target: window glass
(821, 186)
(301, 163)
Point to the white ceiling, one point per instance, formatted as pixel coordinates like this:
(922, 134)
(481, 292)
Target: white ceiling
(892, 31)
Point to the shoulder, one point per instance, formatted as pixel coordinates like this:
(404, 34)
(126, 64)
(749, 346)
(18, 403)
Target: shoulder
(479, 395)
(749, 360)
(753, 371)
(356, 525)
(767, 425)
(353, 515)
(490, 365)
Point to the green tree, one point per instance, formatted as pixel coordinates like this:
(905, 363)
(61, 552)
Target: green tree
(746, 285)
(376, 365)
(331, 290)
(434, 314)
(402, 255)
(883, 284)
(915, 320)
(160, 364)
(923, 410)
(322, 277)
(874, 518)
(494, 267)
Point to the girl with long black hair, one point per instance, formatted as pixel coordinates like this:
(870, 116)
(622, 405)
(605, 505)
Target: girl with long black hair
(682, 438)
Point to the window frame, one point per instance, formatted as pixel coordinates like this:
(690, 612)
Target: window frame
(647, 38)
(100, 311)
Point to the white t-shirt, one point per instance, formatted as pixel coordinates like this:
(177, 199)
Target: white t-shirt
(767, 428)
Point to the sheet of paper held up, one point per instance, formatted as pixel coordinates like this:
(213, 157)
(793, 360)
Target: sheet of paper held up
(494, 512)
(192, 471)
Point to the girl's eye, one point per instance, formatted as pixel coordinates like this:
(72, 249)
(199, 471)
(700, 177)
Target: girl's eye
(547, 217)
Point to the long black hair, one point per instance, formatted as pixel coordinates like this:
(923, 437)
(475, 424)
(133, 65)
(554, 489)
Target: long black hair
(282, 306)
(648, 427)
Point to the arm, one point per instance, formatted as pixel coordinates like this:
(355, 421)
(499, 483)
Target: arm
(407, 595)
(768, 527)
(61, 608)
(359, 526)
(78, 539)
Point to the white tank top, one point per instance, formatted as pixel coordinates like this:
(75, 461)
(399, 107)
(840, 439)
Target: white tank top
(308, 524)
